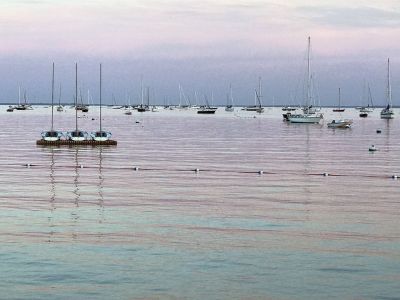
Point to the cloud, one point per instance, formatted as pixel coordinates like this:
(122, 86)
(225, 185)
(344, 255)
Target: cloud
(362, 16)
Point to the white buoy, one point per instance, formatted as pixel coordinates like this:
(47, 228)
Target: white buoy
(81, 166)
(197, 170)
(260, 172)
(326, 174)
(28, 165)
(394, 177)
(372, 148)
(136, 168)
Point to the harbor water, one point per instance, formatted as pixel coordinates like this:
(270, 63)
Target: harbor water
(226, 206)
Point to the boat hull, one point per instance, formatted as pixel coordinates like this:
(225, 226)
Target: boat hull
(305, 119)
(340, 124)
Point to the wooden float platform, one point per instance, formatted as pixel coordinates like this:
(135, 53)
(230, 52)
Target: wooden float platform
(76, 143)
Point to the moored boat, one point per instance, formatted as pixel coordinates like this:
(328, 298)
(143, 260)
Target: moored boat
(52, 135)
(340, 124)
(387, 112)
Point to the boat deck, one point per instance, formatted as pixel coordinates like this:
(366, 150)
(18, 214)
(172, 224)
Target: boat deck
(76, 143)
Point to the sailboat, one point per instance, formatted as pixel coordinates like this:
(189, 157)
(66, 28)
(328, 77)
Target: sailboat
(387, 112)
(128, 108)
(340, 123)
(308, 116)
(229, 101)
(339, 108)
(25, 105)
(100, 135)
(52, 135)
(257, 107)
(77, 135)
(207, 109)
(60, 107)
(364, 110)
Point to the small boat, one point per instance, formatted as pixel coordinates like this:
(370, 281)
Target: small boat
(363, 114)
(229, 101)
(52, 135)
(288, 108)
(257, 99)
(340, 124)
(154, 109)
(207, 109)
(387, 112)
(77, 135)
(100, 135)
(10, 109)
(339, 108)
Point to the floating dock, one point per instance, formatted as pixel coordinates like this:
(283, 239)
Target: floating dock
(76, 143)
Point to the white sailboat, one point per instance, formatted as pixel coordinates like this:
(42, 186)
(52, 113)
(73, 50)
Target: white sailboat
(77, 135)
(229, 103)
(387, 112)
(340, 123)
(60, 108)
(339, 108)
(257, 107)
(52, 135)
(100, 135)
(308, 116)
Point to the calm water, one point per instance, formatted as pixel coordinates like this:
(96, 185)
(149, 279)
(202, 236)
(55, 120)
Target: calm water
(80, 223)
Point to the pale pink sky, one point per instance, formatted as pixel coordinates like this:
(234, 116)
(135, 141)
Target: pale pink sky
(223, 37)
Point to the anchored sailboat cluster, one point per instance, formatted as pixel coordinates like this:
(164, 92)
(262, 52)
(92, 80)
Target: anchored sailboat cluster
(77, 136)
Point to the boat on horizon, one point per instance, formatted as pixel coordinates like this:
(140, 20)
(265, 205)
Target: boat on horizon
(257, 107)
(229, 101)
(387, 112)
(339, 108)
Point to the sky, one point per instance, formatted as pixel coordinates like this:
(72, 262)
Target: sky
(204, 46)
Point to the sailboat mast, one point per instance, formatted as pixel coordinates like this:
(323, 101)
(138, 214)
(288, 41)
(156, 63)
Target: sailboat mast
(52, 99)
(141, 88)
(308, 73)
(19, 95)
(259, 91)
(339, 98)
(389, 87)
(100, 97)
(59, 97)
(76, 97)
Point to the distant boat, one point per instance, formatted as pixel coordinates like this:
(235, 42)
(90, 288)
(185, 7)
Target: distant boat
(340, 124)
(77, 135)
(387, 112)
(60, 107)
(309, 116)
(364, 110)
(207, 109)
(229, 101)
(257, 107)
(289, 108)
(10, 108)
(339, 108)
(52, 135)
(100, 135)
(25, 105)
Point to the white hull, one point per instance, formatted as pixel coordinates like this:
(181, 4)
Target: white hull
(387, 114)
(101, 139)
(51, 139)
(305, 119)
(77, 139)
(340, 124)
